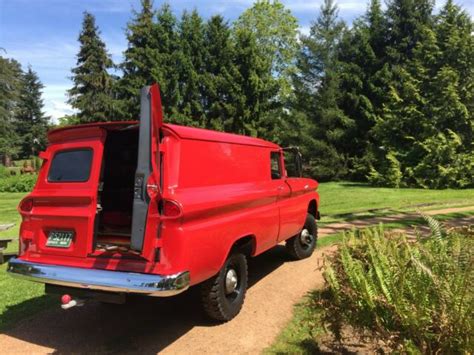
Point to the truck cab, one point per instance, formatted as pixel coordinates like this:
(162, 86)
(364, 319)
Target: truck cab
(152, 208)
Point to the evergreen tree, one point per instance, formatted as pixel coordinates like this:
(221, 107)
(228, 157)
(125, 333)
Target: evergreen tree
(31, 123)
(219, 72)
(254, 87)
(91, 93)
(405, 28)
(167, 45)
(452, 97)
(140, 61)
(190, 69)
(10, 86)
(365, 80)
(319, 95)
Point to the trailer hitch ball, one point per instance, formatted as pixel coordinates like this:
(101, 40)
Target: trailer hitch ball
(68, 302)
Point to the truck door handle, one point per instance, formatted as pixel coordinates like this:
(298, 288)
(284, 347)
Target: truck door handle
(280, 188)
(306, 187)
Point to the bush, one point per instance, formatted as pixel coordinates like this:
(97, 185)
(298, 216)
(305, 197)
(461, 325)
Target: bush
(4, 173)
(417, 295)
(18, 183)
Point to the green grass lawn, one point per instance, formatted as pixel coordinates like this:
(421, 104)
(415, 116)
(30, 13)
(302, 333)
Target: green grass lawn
(18, 298)
(342, 201)
(9, 214)
(339, 201)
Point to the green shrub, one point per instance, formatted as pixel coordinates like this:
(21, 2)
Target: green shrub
(18, 183)
(4, 173)
(37, 162)
(418, 295)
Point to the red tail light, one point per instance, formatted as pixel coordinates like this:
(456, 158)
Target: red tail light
(171, 209)
(26, 205)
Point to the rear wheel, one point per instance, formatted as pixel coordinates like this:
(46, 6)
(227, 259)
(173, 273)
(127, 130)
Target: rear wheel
(223, 295)
(302, 245)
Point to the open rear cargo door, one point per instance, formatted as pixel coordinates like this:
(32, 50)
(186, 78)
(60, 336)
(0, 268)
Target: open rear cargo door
(146, 186)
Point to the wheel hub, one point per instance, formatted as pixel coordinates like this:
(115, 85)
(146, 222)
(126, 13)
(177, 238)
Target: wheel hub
(231, 281)
(306, 237)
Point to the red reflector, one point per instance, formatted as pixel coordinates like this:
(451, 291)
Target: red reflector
(171, 209)
(26, 205)
(65, 299)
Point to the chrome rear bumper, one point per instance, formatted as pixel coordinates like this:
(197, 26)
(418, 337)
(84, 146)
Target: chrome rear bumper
(105, 280)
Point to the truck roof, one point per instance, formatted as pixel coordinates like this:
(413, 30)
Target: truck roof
(181, 131)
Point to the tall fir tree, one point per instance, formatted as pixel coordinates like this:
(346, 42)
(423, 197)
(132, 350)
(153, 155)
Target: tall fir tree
(219, 72)
(452, 101)
(91, 93)
(31, 122)
(318, 93)
(190, 69)
(364, 83)
(254, 87)
(406, 21)
(10, 86)
(167, 46)
(140, 61)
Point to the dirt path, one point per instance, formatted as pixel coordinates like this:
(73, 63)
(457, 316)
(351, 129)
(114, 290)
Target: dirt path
(175, 325)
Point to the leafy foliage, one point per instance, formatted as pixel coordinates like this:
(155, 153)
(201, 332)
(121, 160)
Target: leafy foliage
(18, 183)
(415, 294)
(275, 29)
(444, 163)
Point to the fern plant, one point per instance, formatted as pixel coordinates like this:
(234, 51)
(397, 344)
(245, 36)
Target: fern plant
(417, 294)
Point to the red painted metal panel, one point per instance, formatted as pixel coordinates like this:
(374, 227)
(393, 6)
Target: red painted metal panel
(221, 181)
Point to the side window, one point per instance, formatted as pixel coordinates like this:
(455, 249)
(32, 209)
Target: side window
(275, 165)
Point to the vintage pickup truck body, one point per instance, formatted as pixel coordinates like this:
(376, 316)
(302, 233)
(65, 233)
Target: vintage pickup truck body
(153, 208)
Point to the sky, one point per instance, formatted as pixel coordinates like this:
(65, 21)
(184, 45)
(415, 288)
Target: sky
(43, 33)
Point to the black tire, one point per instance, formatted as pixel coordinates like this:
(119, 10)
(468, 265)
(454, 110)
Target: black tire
(302, 245)
(219, 301)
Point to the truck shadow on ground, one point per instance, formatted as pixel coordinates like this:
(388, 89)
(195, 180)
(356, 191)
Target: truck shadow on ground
(143, 324)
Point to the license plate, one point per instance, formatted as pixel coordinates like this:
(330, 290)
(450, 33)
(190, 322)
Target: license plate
(59, 239)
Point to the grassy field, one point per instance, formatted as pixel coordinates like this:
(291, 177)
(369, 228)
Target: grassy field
(18, 298)
(339, 201)
(342, 201)
(9, 214)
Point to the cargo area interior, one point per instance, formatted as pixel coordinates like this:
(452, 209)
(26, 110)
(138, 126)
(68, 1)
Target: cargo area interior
(115, 195)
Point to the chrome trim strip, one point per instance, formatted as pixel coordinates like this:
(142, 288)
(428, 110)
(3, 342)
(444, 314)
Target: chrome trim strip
(105, 280)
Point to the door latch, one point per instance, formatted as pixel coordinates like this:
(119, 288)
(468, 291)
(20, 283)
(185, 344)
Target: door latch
(138, 187)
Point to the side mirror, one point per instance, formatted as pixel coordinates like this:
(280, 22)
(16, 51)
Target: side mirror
(299, 163)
